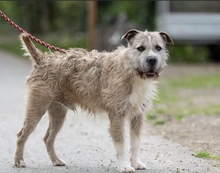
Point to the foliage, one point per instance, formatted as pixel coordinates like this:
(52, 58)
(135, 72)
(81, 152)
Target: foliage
(141, 12)
(46, 16)
(188, 53)
(13, 44)
(51, 18)
(48, 20)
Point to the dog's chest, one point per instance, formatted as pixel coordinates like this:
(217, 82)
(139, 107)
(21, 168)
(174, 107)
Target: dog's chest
(143, 92)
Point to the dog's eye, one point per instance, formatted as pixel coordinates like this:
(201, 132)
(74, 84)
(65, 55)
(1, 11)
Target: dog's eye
(158, 48)
(141, 48)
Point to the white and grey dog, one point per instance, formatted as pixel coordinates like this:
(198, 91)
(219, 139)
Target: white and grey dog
(121, 83)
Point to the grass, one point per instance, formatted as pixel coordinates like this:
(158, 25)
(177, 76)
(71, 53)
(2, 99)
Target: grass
(178, 117)
(196, 82)
(159, 122)
(180, 97)
(206, 155)
(203, 154)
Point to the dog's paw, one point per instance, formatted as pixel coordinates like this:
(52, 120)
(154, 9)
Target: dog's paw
(20, 163)
(139, 165)
(59, 162)
(126, 169)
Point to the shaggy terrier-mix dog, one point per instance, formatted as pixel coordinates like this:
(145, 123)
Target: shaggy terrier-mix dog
(121, 83)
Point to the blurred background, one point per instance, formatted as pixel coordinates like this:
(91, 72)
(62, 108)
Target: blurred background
(188, 106)
(194, 25)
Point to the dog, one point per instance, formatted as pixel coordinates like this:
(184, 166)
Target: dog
(121, 83)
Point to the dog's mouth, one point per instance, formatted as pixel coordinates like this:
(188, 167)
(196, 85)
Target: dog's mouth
(151, 74)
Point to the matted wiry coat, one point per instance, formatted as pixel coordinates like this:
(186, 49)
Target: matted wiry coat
(121, 83)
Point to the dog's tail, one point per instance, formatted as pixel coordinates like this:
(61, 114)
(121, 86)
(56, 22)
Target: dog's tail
(30, 49)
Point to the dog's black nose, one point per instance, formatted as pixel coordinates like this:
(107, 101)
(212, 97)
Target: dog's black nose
(152, 61)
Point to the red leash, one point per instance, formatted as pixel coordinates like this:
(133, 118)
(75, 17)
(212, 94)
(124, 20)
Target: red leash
(30, 36)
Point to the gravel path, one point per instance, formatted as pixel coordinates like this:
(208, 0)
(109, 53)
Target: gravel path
(83, 142)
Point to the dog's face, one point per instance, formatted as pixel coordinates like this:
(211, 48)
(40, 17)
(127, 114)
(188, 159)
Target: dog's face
(147, 51)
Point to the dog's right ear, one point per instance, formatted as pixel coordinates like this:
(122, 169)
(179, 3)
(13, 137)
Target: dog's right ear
(130, 35)
(166, 38)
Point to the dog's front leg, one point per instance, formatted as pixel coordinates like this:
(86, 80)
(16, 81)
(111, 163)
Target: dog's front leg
(117, 132)
(135, 132)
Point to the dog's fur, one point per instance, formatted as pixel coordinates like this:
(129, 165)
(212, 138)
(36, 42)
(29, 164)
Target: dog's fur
(121, 83)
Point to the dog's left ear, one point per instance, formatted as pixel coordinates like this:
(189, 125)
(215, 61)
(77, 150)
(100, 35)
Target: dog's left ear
(166, 38)
(130, 34)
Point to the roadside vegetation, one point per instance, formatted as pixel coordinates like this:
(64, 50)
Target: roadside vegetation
(187, 109)
(207, 155)
(180, 97)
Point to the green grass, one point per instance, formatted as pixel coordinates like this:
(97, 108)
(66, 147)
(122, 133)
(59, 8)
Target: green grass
(207, 155)
(159, 122)
(206, 110)
(196, 82)
(172, 101)
(150, 117)
(203, 154)
(178, 117)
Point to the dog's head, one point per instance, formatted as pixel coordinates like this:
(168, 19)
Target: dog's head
(147, 51)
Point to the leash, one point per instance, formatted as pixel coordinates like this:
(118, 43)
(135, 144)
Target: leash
(18, 28)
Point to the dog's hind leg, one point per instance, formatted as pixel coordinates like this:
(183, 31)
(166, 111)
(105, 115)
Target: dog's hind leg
(136, 123)
(36, 108)
(117, 132)
(57, 114)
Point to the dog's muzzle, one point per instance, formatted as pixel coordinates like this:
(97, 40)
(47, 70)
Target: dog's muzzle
(151, 73)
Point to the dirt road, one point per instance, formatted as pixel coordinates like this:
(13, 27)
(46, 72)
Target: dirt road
(84, 142)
